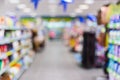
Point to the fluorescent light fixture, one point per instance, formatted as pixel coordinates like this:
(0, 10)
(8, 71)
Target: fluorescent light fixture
(83, 6)
(89, 1)
(27, 10)
(69, 1)
(14, 1)
(21, 6)
(78, 10)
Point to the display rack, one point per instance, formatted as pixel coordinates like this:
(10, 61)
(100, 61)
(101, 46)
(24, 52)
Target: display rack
(114, 48)
(14, 48)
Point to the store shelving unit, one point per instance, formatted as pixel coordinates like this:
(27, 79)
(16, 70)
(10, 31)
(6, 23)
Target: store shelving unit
(114, 48)
(18, 45)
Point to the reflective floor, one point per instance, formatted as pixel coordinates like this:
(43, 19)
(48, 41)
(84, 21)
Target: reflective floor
(57, 63)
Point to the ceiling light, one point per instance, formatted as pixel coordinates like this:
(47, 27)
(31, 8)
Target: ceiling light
(83, 6)
(69, 1)
(21, 6)
(78, 11)
(27, 10)
(14, 1)
(89, 1)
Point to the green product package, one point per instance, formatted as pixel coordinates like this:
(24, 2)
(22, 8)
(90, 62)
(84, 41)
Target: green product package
(0, 64)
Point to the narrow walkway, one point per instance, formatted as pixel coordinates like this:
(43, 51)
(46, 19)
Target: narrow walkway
(56, 63)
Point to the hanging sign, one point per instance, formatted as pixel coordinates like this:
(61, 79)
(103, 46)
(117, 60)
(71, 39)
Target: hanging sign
(35, 2)
(64, 3)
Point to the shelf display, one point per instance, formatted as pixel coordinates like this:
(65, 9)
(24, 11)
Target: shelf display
(114, 48)
(15, 49)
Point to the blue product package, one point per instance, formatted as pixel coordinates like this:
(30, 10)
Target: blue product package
(111, 64)
(115, 66)
(111, 49)
(118, 69)
(119, 51)
(116, 50)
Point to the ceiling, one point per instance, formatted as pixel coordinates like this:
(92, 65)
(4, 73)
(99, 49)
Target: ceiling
(51, 7)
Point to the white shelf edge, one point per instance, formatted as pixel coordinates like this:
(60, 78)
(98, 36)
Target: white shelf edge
(13, 39)
(12, 28)
(19, 74)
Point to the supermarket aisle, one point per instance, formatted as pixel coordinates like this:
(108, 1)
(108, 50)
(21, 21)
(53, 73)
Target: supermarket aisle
(56, 63)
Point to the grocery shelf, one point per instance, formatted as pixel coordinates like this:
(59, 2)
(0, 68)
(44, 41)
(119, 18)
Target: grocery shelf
(9, 40)
(114, 43)
(113, 73)
(113, 57)
(14, 61)
(117, 29)
(17, 59)
(10, 52)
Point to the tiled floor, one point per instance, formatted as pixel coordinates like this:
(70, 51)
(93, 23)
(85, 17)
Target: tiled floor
(56, 63)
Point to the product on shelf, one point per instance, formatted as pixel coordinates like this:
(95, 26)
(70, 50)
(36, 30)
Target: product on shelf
(15, 49)
(114, 48)
(5, 76)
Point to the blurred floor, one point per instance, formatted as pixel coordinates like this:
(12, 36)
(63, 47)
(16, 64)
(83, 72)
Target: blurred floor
(56, 63)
